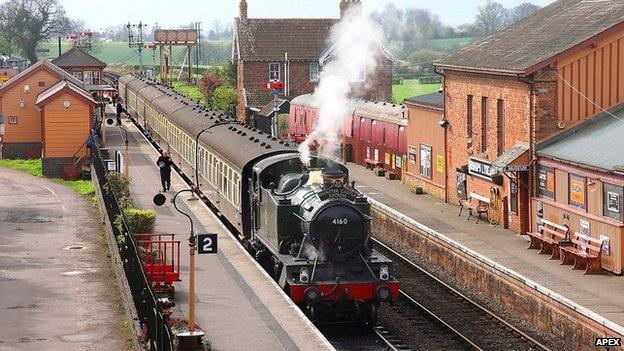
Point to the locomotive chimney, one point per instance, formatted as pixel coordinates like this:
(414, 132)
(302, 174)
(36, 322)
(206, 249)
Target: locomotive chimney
(243, 11)
(345, 5)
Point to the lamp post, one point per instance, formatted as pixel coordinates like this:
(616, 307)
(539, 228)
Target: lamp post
(126, 153)
(190, 340)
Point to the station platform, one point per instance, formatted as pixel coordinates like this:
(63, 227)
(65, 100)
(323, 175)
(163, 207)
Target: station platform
(601, 294)
(238, 305)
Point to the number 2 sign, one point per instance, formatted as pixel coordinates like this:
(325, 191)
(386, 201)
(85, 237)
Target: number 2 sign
(207, 243)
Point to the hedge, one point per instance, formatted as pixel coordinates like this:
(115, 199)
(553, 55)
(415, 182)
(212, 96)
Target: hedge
(140, 221)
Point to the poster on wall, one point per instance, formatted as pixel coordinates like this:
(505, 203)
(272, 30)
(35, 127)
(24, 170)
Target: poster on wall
(440, 163)
(368, 152)
(577, 191)
(613, 202)
(606, 244)
(387, 158)
(376, 155)
(547, 182)
(411, 154)
(585, 228)
(398, 161)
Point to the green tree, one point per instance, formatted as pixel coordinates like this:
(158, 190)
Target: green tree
(5, 46)
(28, 22)
(222, 97)
(492, 17)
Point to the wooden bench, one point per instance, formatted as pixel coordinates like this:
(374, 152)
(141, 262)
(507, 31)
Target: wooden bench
(584, 253)
(372, 164)
(477, 203)
(548, 237)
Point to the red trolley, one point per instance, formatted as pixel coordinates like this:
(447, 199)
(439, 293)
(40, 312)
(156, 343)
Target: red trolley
(161, 258)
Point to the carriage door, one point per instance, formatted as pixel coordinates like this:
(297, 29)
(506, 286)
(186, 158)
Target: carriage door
(254, 196)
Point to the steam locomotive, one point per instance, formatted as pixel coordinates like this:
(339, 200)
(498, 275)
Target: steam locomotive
(305, 224)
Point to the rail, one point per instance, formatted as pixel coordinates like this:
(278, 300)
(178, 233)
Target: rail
(159, 336)
(423, 229)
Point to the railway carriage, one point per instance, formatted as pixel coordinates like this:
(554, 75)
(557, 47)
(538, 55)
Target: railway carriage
(306, 225)
(372, 133)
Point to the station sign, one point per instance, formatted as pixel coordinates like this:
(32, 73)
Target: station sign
(481, 168)
(516, 168)
(207, 244)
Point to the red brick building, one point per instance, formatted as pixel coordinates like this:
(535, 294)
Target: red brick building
(536, 78)
(292, 51)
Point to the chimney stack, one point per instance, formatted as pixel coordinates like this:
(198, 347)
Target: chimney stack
(243, 11)
(345, 5)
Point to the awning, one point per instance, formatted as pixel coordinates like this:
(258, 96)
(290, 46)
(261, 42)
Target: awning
(99, 87)
(516, 159)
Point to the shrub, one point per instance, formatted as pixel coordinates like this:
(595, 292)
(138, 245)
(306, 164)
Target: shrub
(119, 184)
(140, 221)
(208, 85)
(222, 97)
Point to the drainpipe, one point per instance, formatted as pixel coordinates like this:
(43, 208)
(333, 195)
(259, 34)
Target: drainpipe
(59, 46)
(446, 161)
(531, 84)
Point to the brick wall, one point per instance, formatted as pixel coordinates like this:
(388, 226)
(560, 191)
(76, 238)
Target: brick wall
(52, 167)
(21, 150)
(545, 104)
(516, 97)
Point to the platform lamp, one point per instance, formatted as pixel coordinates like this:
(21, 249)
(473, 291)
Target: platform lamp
(192, 339)
(126, 153)
(194, 194)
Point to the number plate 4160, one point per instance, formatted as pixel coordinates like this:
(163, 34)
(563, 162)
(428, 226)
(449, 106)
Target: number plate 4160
(207, 243)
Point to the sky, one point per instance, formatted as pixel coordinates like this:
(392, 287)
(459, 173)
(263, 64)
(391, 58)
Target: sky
(168, 13)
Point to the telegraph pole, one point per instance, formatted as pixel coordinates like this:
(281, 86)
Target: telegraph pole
(137, 41)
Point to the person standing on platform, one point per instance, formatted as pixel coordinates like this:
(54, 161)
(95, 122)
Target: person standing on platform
(164, 163)
(119, 111)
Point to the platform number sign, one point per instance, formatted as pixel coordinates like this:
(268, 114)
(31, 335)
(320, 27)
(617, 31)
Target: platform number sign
(207, 244)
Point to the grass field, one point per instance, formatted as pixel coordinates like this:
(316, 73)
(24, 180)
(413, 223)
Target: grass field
(119, 52)
(411, 87)
(34, 168)
(190, 91)
(450, 44)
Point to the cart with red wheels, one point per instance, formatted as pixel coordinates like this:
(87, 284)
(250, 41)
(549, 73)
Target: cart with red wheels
(161, 258)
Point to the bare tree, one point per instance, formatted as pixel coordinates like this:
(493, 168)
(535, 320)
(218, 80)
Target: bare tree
(491, 18)
(28, 22)
(523, 10)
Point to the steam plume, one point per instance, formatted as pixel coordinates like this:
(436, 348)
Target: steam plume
(355, 40)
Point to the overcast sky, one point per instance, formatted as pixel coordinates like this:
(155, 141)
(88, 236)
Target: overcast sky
(173, 13)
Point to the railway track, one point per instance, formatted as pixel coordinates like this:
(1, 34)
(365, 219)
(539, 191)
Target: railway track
(472, 326)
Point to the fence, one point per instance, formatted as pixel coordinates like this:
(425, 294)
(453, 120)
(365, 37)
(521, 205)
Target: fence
(159, 335)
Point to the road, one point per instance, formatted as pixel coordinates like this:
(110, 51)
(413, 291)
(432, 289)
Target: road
(54, 295)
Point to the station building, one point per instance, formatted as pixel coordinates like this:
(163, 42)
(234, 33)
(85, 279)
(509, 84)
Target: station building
(46, 113)
(426, 144)
(293, 51)
(581, 183)
(82, 65)
(518, 87)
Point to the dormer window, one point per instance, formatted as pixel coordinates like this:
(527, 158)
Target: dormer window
(274, 71)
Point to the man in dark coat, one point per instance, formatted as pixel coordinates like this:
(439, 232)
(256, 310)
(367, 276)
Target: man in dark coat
(120, 110)
(164, 163)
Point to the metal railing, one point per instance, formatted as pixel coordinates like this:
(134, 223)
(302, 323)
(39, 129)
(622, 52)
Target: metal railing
(152, 320)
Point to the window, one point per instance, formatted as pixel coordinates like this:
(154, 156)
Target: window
(513, 196)
(42, 84)
(314, 72)
(425, 160)
(500, 133)
(361, 76)
(91, 77)
(469, 117)
(546, 180)
(577, 186)
(274, 71)
(613, 198)
(77, 75)
(484, 123)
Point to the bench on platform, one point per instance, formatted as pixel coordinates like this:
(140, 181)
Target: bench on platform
(477, 203)
(584, 253)
(372, 164)
(547, 238)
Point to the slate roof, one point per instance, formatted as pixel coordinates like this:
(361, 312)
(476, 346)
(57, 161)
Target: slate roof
(595, 143)
(537, 39)
(269, 109)
(47, 65)
(60, 86)
(77, 57)
(433, 100)
(264, 39)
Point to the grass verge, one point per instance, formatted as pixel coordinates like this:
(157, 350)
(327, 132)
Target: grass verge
(34, 168)
(411, 87)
